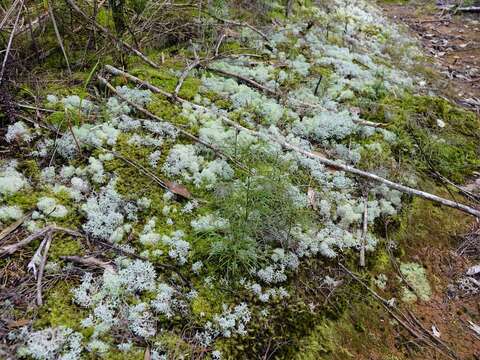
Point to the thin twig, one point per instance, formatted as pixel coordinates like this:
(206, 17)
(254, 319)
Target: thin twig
(111, 36)
(184, 75)
(57, 34)
(10, 249)
(41, 268)
(214, 148)
(288, 146)
(9, 45)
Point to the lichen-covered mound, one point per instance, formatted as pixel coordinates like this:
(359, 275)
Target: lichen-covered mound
(198, 249)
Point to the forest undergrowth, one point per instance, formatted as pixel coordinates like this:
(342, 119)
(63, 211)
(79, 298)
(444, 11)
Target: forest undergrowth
(225, 181)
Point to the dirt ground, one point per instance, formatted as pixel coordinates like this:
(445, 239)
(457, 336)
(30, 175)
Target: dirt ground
(451, 40)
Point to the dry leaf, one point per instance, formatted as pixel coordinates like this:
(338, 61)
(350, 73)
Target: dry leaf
(178, 189)
(18, 323)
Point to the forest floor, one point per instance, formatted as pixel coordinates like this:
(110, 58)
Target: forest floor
(452, 42)
(159, 209)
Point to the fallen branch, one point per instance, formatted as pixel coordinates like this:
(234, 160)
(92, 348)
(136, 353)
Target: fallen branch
(184, 75)
(59, 37)
(246, 80)
(90, 261)
(9, 44)
(12, 227)
(331, 163)
(172, 97)
(10, 249)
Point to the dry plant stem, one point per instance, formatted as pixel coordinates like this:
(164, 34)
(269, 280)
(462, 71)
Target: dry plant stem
(12, 227)
(90, 261)
(110, 35)
(41, 268)
(331, 163)
(9, 45)
(10, 249)
(172, 97)
(57, 34)
(8, 13)
(364, 231)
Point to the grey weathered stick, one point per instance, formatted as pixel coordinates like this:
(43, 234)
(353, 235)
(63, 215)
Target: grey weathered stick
(10, 249)
(244, 79)
(57, 34)
(286, 145)
(214, 148)
(184, 75)
(41, 268)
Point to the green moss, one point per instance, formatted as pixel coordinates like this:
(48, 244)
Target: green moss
(166, 80)
(59, 310)
(64, 245)
(452, 150)
(30, 169)
(176, 347)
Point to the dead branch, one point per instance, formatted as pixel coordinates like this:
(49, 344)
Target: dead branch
(416, 328)
(10, 249)
(12, 227)
(90, 261)
(172, 97)
(184, 75)
(246, 80)
(328, 162)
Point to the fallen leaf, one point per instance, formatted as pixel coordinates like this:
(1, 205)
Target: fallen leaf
(178, 189)
(18, 323)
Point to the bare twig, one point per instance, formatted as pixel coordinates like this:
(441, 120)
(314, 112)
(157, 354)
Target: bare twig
(288, 146)
(416, 329)
(107, 33)
(184, 75)
(246, 80)
(12, 227)
(41, 268)
(214, 148)
(10, 249)
(9, 45)
(57, 34)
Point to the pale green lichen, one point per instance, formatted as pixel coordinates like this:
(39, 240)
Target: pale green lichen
(416, 277)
